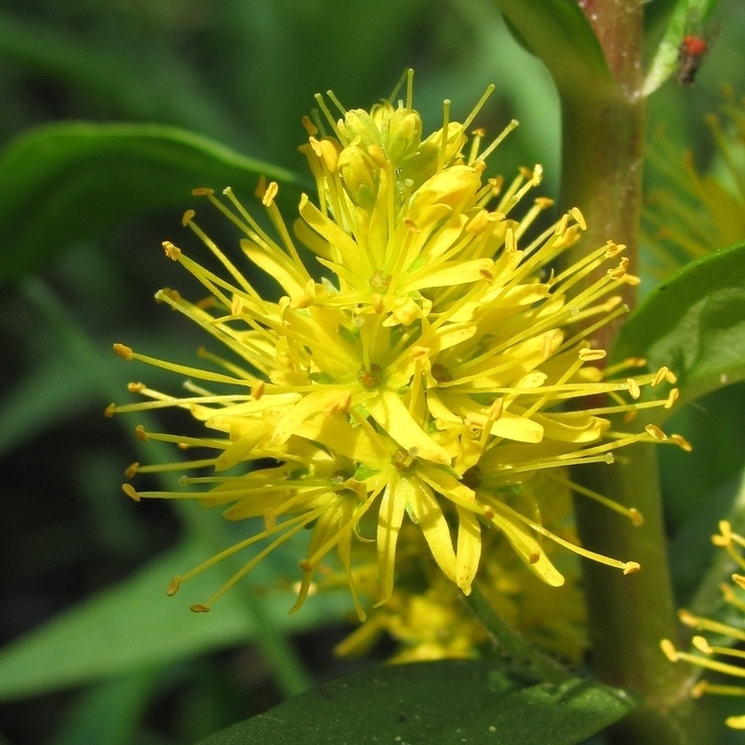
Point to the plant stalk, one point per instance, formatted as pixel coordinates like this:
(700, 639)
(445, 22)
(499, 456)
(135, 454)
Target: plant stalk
(603, 141)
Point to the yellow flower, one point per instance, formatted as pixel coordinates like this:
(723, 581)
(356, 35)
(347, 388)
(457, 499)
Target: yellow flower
(421, 378)
(429, 619)
(711, 657)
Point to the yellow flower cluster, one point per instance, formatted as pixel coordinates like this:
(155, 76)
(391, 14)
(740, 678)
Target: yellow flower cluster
(424, 377)
(427, 615)
(711, 657)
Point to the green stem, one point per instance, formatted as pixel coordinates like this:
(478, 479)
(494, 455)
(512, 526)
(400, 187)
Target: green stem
(603, 137)
(629, 615)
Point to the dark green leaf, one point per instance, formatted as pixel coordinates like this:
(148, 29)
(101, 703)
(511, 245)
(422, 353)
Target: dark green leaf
(694, 323)
(558, 32)
(435, 703)
(66, 182)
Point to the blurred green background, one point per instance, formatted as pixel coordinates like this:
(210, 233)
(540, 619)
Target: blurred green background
(130, 665)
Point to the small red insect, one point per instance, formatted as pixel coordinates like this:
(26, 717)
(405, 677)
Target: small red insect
(691, 55)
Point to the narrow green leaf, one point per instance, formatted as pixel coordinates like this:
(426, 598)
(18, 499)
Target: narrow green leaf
(65, 182)
(558, 32)
(688, 16)
(694, 323)
(134, 626)
(435, 703)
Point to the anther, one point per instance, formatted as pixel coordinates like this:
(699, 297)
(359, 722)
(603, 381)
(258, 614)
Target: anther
(199, 608)
(634, 390)
(631, 567)
(667, 647)
(140, 433)
(636, 517)
(129, 490)
(257, 389)
(108, 412)
(681, 442)
(174, 585)
(172, 252)
(123, 351)
(305, 565)
(187, 217)
(135, 387)
(699, 689)
(702, 645)
(131, 470)
(202, 192)
(271, 191)
(656, 432)
(579, 217)
(660, 375)
(591, 355)
(687, 618)
(672, 397)
(613, 249)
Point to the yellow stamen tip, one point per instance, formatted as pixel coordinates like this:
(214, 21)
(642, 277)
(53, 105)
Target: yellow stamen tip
(687, 618)
(129, 490)
(579, 217)
(654, 431)
(108, 412)
(631, 567)
(199, 608)
(140, 433)
(172, 252)
(123, 351)
(202, 192)
(271, 191)
(636, 517)
(187, 217)
(702, 645)
(667, 647)
(131, 470)
(174, 585)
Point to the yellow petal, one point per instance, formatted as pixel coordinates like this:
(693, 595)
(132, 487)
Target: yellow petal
(389, 525)
(431, 520)
(528, 548)
(469, 549)
(390, 413)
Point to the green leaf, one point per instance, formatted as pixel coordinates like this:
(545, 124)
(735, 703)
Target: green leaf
(558, 32)
(435, 703)
(687, 17)
(694, 323)
(67, 182)
(134, 626)
(110, 712)
(144, 81)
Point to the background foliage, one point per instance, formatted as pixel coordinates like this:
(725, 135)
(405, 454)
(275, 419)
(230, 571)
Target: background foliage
(128, 665)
